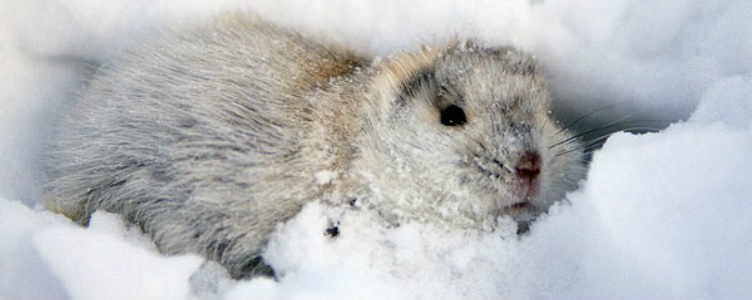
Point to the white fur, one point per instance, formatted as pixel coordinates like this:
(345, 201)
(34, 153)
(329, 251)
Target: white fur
(207, 137)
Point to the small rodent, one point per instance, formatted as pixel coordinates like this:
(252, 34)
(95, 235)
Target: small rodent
(209, 136)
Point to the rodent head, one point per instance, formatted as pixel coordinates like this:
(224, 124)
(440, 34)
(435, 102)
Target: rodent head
(465, 135)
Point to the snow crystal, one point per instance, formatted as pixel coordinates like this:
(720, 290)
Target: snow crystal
(325, 177)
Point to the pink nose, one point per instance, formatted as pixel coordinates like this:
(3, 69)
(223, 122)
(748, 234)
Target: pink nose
(528, 167)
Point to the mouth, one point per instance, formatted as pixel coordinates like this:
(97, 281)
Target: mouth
(522, 188)
(524, 192)
(522, 212)
(525, 189)
(521, 205)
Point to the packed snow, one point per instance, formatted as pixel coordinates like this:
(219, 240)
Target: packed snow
(665, 215)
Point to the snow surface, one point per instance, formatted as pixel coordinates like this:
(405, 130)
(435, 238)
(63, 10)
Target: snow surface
(664, 215)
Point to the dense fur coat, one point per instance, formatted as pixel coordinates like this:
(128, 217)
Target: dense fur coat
(207, 137)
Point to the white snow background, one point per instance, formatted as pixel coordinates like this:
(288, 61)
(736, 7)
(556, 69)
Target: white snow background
(663, 215)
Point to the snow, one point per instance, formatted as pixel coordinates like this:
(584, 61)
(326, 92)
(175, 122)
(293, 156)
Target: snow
(661, 215)
(103, 263)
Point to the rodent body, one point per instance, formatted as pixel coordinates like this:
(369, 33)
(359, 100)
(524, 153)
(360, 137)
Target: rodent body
(209, 137)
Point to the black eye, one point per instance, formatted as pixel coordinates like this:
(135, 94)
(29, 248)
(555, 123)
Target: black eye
(453, 115)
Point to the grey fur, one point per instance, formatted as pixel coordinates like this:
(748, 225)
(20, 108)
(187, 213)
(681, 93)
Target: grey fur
(208, 137)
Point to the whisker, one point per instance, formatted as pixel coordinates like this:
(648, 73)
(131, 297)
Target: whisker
(543, 128)
(611, 126)
(594, 144)
(566, 152)
(590, 114)
(640, 129)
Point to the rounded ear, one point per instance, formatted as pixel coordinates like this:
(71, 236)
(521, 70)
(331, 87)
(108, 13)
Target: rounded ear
(399, 74)
(420, 81)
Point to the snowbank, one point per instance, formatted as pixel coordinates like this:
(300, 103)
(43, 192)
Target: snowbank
(661, 215)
